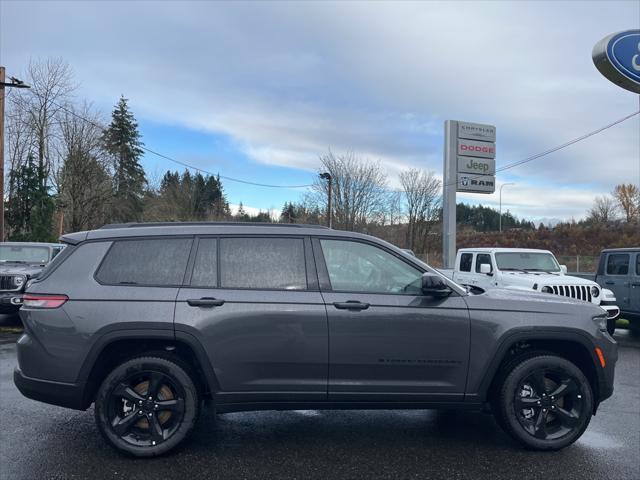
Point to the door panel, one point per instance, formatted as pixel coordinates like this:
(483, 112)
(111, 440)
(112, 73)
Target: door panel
(394, 344)
(402, 347)
(618, 270)
(253, 307)
(260, 342)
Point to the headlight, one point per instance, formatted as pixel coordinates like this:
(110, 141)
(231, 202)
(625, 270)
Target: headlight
(546, 289)
(19, 280)
(595, 292)
(601, 322)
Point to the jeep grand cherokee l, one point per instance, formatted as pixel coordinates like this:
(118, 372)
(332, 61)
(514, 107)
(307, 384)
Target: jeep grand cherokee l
(147, 320)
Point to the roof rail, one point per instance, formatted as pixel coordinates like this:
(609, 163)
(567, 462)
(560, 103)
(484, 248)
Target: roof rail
(212, 224)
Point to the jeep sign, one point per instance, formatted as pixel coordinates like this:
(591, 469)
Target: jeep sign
(480, 166)
(617, 57)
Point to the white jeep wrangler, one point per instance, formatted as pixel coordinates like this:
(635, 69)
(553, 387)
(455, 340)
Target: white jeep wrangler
(531, 270)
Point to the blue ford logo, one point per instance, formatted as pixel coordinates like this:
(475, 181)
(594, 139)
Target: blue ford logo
(617, 56)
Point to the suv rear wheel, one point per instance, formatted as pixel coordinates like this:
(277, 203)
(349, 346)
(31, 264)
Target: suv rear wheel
(545, 402)
(146, 406)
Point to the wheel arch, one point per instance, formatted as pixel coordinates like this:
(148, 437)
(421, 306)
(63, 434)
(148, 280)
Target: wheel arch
(116, 347)
(574, 347)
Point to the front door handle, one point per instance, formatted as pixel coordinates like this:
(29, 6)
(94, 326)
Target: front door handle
(610, 282)
(351, 305)
(205, 302)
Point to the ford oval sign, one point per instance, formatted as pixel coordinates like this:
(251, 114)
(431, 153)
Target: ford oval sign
(618, 58)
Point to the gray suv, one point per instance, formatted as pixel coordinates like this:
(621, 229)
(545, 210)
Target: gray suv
(147, 320)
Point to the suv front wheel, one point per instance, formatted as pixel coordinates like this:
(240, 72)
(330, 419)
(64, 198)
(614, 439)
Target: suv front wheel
(146, 406)
(545, 402)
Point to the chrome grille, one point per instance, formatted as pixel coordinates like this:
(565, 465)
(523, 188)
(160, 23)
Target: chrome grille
(581, 292)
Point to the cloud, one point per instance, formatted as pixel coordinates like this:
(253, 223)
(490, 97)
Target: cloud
(287, 81)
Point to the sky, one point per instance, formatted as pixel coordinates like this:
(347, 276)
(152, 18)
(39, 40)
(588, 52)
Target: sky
(258, 90)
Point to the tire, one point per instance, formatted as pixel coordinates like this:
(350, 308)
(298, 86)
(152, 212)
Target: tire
(147, 406)
(545, 402)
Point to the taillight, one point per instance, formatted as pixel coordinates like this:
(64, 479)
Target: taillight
(31, 300)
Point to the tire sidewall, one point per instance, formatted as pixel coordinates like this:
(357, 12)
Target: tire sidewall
(129, 368)
(508, 391)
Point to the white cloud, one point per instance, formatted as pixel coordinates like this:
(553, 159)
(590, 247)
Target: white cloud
(287, 81)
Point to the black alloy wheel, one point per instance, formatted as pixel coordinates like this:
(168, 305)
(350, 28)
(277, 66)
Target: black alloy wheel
(545, 402)
(146, 406)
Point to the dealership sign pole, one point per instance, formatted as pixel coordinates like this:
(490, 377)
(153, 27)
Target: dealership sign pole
(469, 166)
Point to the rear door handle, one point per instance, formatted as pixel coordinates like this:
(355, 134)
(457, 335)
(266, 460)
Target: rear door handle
(351, 305)
(205, 302)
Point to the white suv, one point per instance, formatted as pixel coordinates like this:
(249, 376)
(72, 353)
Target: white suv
(531, 270)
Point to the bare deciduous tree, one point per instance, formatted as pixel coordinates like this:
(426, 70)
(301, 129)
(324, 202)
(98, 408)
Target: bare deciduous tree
(603, 209)
(83, 181)
(358, 190)
(628, 197)
(423, 197)
(52, 84)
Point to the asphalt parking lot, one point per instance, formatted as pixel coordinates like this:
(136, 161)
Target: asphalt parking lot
(42, 441)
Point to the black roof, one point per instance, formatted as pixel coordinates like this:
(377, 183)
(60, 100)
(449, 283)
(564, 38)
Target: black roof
(216, 224)
(128, 230)
(623, 249)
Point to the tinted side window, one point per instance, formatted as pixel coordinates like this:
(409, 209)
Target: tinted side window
(263, 263)
(360, 267)
(205, 267)
(145, 262)
(638, 264)
(465, 262)
(483, 258)
(618, 264)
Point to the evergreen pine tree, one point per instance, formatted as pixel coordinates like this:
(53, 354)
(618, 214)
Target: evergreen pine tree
(122, 142)
(31, 207)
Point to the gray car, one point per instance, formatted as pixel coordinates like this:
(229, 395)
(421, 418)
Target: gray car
(147, 320)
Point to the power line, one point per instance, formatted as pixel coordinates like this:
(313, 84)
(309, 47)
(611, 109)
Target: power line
(180, 162)
(257, 184)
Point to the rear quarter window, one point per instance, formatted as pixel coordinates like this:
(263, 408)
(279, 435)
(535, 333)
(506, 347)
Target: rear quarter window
(151, 262)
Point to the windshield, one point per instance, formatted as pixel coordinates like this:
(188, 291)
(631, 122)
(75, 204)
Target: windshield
(527, 262)
(23, 254)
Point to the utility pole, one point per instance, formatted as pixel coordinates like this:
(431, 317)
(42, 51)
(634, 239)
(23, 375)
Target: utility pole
(327, 176)
(17, 84)
(500, 220)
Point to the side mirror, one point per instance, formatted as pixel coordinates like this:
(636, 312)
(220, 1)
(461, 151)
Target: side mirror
(563, 269)
(434, 286)
(485, 268)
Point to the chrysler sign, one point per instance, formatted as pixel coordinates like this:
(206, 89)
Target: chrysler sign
(617, 57)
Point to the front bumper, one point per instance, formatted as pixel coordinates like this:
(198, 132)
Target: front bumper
(11, 300)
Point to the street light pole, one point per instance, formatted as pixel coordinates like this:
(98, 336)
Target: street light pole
(500, 220)
(327, 176)
(17, 84)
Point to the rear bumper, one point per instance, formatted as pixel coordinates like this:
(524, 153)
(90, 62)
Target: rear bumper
(69, 395)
